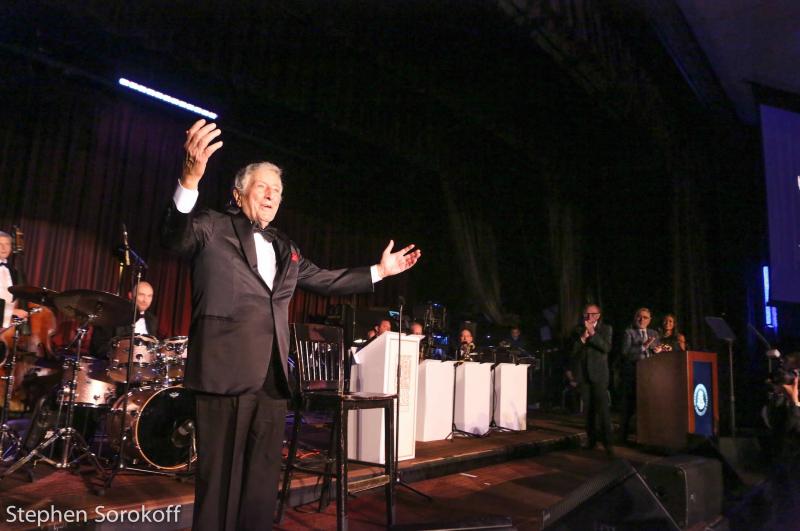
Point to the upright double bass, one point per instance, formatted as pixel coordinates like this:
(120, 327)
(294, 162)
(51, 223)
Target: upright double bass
(35, 341)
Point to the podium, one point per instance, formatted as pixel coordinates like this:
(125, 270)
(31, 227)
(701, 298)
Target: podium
(511, 396)
(473, 407)
(374, 370)
(676, 394)
(435, 400)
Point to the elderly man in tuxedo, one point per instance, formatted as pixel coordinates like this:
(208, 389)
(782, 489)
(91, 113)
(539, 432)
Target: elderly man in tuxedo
(640, 342)
(244, 273)
(590, 350)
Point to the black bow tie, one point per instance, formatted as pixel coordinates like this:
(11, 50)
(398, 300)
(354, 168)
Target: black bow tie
(4, 264)
(268, 233)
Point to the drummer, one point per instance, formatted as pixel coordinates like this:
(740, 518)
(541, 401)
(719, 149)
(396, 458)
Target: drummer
(146, 323)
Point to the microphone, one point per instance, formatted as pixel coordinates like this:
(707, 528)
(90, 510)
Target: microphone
(126, 249)
(401, 301)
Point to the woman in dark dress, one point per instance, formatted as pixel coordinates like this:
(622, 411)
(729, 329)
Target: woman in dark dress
(670, 336)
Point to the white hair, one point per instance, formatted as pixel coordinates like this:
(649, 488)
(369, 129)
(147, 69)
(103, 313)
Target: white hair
(243, 176)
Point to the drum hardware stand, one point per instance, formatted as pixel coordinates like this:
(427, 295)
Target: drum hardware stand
(72, 439)
(9, 439)
(119, 465)
(398, 479)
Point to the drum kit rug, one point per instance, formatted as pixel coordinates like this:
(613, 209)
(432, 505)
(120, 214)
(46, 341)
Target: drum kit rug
(149, 416)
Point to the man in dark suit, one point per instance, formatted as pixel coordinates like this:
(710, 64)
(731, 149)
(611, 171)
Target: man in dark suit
(244, 273)
(639, 342)
(146, 322)
(590, 367)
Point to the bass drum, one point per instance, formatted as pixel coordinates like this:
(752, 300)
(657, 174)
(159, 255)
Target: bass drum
(159, 426)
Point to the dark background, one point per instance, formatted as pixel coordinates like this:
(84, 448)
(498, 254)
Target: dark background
(537, 161)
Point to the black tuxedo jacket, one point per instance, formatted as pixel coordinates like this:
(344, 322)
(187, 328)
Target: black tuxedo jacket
(590, 359)
(237, 321)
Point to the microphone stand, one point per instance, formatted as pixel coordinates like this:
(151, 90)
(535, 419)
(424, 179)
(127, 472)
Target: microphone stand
(493, 425)
(398, 480)
(129, 258)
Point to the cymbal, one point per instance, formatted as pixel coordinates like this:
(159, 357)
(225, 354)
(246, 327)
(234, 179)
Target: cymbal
(35, 294)
(104, 309)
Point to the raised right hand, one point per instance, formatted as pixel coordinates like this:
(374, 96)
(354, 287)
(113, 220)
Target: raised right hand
(198, 149)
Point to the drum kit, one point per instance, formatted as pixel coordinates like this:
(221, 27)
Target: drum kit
(149, 416)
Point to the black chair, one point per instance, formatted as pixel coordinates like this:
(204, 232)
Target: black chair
(321, 365)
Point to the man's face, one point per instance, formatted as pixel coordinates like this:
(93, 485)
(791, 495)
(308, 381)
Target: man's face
(5, 247)
(466, 336)
(642, 319)
(515, 333)
(262, 196)
(416, 329)
(591, 314)
(385, 326)
(144, 296)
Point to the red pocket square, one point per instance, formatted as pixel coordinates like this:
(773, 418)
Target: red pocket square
(295, 257)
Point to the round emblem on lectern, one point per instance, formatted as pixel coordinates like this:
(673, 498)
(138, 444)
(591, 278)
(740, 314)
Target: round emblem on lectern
(700, 399)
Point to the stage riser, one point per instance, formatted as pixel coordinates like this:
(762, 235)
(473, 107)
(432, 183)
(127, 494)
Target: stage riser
(302, 494)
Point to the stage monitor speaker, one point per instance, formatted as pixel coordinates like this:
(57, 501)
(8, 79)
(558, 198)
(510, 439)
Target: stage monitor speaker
(618, 498)
(690, 487)
(705, 447)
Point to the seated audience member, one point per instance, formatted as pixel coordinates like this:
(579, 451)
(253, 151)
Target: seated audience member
(671, 339)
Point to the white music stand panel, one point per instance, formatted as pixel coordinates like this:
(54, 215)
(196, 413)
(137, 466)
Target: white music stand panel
(473, 397)
(511, 396)
(435, 400)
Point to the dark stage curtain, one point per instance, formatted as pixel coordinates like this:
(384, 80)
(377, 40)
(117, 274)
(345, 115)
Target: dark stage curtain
(476, 253)
(76, 161)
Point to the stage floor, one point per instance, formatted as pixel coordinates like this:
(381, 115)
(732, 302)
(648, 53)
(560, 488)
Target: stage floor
(514, 474)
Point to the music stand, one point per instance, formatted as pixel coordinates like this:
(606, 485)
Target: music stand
(723, 332)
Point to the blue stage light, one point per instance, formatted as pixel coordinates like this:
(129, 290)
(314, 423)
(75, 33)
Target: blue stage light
(770, 312)
(166, 98)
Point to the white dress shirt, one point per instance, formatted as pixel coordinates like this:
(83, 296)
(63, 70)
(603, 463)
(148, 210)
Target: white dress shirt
(140, 327)
(5, 283)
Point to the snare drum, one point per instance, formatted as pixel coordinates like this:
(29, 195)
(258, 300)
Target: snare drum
(93, 387)
(145, 356)
(160, 425)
